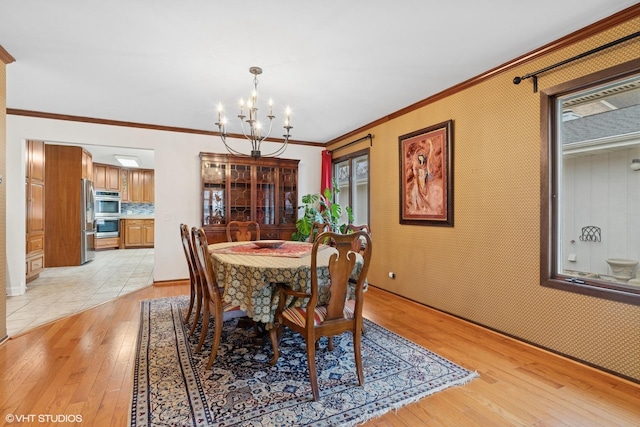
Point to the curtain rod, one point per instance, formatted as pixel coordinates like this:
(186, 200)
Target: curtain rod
(357, 140)
(534, 75)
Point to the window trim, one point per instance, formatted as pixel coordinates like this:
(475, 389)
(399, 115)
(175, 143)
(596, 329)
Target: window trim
(549, 188)
(350, 157)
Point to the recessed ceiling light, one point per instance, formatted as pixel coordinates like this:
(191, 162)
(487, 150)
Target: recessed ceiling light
(128, 161)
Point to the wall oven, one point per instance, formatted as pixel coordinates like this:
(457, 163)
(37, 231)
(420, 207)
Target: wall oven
(107, 227)
(107, 207)
(107, 204)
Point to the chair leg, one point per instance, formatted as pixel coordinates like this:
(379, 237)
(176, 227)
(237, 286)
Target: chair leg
(275, 334)
(313, 375)
(357, 350)
(205, 327)
(217, 335)
(192, 298)
(198, 310)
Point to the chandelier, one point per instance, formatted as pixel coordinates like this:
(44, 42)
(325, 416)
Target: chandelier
(254, 131)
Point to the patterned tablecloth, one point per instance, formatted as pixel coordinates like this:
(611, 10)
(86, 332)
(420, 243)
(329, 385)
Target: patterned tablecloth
(248, 279)
(285, 249)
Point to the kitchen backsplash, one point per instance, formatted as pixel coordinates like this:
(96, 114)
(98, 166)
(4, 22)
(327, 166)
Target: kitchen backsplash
(137, 209)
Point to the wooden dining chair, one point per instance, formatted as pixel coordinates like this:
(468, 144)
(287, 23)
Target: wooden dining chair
(358, 246)
(195, 288)
(338, 315)
(243, 231)
(350, 228)
(212, 296)
(317, 228)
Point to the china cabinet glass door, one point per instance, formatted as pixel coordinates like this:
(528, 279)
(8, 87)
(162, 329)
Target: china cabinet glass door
(240, 193)
(266, 194)
(214, 182)
(288, 188)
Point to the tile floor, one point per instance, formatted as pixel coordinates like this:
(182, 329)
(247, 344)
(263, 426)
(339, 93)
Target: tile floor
(62, 291)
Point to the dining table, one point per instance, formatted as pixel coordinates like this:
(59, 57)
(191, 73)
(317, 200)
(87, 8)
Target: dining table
(249, 274)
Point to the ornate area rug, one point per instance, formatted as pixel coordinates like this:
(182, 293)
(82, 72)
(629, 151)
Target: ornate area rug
(172, 387)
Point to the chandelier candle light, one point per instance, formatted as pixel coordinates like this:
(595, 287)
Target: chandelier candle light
(255, 133)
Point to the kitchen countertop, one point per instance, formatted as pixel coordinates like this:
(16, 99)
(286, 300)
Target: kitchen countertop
(136, 217)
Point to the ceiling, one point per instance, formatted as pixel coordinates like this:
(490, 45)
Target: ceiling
(105, 154)
(339, 65)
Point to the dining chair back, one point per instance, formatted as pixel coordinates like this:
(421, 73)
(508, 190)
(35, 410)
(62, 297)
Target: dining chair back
(195, 289)
(358, 245)
(317, 228)
(243, 231)
(214, 305)
(334, 317)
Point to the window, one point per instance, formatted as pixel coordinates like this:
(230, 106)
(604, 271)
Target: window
(352, 175)
(590, 198)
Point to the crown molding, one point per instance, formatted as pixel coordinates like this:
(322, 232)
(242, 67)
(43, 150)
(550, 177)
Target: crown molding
(577, 36)
(54, 116)
(6, 56)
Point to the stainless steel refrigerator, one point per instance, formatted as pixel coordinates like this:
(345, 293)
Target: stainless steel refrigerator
(87, 222)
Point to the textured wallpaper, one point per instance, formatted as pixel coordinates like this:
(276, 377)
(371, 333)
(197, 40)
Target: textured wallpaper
(486, 268)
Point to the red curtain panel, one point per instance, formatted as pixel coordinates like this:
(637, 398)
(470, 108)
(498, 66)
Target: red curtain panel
(325, 180)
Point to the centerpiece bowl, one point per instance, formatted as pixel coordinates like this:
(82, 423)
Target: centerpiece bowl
(268, 243)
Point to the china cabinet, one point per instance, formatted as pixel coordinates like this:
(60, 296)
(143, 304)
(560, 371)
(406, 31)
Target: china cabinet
(243, 189)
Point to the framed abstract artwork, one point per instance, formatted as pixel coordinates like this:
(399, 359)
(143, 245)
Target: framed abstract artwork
(426, 176)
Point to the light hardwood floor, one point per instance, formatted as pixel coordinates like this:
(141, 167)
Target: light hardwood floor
(83, 365)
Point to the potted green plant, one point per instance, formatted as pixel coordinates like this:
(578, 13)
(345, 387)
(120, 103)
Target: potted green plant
(321, 208)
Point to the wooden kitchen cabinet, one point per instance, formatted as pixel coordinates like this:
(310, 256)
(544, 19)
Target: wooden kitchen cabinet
(35, 191)
(67, 166)
(137, 185)
(148, 186)
(107, 242)
(87, 165)
(106, 177)
(149, 232)
(241, 188)
(124, 185)
(137, 233)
